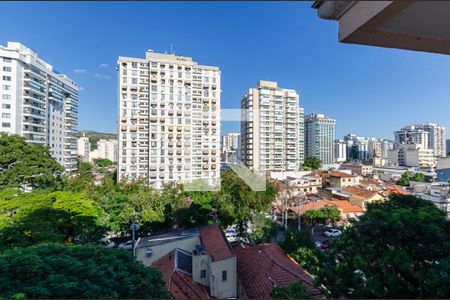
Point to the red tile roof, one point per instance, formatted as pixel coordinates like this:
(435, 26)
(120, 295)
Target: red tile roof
(395, 189)
(263, 266)
(344, 205)
(360, 192)
(340, 175)
(179, 285)
(215, 242)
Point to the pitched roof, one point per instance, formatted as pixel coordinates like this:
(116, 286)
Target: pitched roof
(395, 189)
(340, 175)
(178, 284)
(344, 205)
(263, 266)
(360, 192)
(215, 242)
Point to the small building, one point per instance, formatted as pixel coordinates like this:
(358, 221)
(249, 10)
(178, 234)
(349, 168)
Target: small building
(438, 193)
(265, 266)
(362, 197)
(196, 264)
(341, 180)
(358, 169)
(348, 211)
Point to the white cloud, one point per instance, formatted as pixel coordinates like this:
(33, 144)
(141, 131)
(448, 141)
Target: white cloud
(80, 70)
(81, 88)
(102, 76)
(104, 66)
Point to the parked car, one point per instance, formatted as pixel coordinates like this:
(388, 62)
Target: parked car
(231, 235)
(128, 245)
(325, 244)
(332, 233)
(318, 244)
(107, 243)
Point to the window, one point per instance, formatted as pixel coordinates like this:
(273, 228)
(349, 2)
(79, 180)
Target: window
(6, 106)
(7, 78)
(6, 87)
(7, 69)
(6, 97)
(6, 125)
(7, 59)
(224, 275)
(6, 115)
(133, 80)
(203, 274)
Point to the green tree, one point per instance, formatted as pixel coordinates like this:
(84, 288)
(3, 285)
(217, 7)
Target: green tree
(331, 213)
(398, 249)
(103, 162)
(419, 177)
(31, 218)
(310, 259)
(31, 165)
(314, 217)
(295, 290)
(55, 271)
(404, 180)
(312, 162)
(264, 229)
(237, 202)
(294, 239)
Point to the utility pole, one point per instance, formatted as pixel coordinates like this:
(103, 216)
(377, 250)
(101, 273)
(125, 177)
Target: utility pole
(134, 227)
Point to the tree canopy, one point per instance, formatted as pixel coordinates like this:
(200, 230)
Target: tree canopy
(237, 202)
(22, 164)
(312, 162)
(398, 249)
(31, 218)
(53, 271)
(295, 290)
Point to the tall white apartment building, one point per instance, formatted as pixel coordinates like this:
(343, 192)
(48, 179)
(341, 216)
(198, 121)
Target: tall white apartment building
(38, 103)
(319, 136)
(84, 148)
(436, 138)
(340, 151)
(231, 141)
(412, 135)
(272, 128)
(108, 149)
(169, 119)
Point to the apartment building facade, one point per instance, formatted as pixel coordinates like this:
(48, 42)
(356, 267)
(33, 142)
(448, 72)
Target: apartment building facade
(84, 148)
(169, 119)
(436, 138)
(319, 136)
(272, 128)
(38, 103)
(340, 151)
(412, 134)
(108, 149)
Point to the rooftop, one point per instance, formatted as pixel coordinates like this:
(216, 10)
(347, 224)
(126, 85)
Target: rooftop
(274, 268)
(360, 192)
(167, 237)
(179, 284)
(215, 242)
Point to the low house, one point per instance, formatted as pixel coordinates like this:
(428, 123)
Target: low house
(359, 169)
(341, 180)
(298, 187)
(265, 266)
(394, 189)
(196, 264)
(348, 211)
(361, 197)
(438, 193)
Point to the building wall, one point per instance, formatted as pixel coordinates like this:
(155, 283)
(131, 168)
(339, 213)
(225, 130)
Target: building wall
(84, 148)
(108, 149)
(224, 289)
(38, 103)
(319, 137)
(272, 128)
(169, 119)
(158, 251)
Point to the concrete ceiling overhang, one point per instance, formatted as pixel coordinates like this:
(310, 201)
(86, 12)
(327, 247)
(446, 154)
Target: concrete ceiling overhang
(411, 25)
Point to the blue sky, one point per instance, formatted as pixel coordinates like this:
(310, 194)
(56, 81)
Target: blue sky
(369, 90)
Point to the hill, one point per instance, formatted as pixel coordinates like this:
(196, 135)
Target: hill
(94, 137)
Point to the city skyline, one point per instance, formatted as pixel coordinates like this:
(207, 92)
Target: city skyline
(392, 83)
